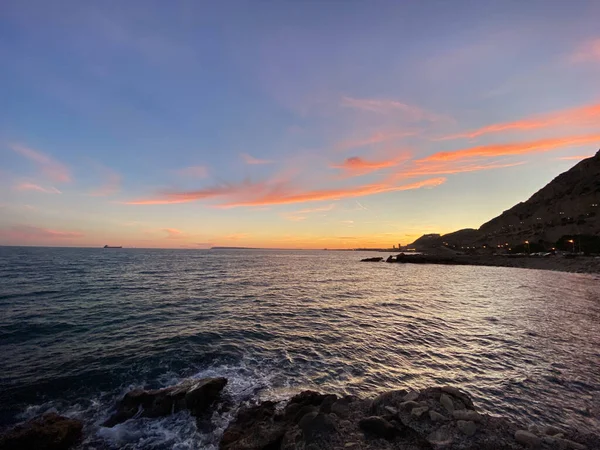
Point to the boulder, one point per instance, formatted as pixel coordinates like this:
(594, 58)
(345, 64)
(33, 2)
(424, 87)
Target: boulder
(527, 438)
(195, 395)
(447, 403)
(378, 427)
(466, 427)
(48, 432)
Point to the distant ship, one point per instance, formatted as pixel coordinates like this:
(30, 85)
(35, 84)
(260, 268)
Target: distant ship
(110, 246)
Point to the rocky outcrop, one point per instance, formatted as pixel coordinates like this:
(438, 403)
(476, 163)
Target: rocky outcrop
(434, 418)
(48, 432)
(195, 395)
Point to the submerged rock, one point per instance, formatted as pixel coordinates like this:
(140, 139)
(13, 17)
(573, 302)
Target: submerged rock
(48, 432)
(195, 395)
(375, 259)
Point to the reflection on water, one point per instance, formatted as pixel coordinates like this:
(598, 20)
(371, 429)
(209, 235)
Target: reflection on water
(79, 326)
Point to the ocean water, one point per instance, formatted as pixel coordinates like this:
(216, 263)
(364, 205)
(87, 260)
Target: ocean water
(80, 327)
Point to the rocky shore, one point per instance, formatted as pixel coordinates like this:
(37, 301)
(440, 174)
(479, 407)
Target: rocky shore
(579, 264)
(434, 418)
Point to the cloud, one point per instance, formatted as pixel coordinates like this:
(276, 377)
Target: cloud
(55, 170)
(588, 51)
(375, 138)
(576, 157)
(588, 115)
(385, 106)
(283, 198)
(25, 233)
(297, 216)
(236, 236)
(111, 182)
(519, 148)
(194, 171)
(358, 166)
(38, 188)
(173, 233)
(254, 161)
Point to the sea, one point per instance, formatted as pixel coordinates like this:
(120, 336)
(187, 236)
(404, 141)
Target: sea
(79, 327)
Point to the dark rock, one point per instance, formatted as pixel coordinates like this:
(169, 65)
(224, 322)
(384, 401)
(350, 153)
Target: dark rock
(317, 426)
(195, 395)
(48, 432)
(379, 427)
(309, 398)
(375, 259)
(254, 428)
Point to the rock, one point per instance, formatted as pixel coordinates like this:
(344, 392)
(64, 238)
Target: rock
(567, 444)
(419, 411)
(379, 427)
(440, 437)
(195, 395)
(316, 426)
(390, 409)
(447, 403)
(452, 391)
(341, 408)
(390, 398)
(48, 432)
(254, 428)
(436, 416)
(408, 406)
(411, 396)
(375, 259)
(551, 430)
(305, 411)
(466, 427)
(465, 414)
(527, 438)
(310, 398)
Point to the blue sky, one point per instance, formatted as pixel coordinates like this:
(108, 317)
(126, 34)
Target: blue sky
(286, 124)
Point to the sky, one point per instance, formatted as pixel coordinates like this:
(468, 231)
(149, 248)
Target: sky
(286, 124)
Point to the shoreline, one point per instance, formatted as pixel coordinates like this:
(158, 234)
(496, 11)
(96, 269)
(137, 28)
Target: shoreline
(428, 419)
(579, 264)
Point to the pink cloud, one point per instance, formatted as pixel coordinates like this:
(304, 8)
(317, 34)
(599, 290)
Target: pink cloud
(255, 161)
(37, 188)
(588, 51)
(111, 182)
(574, 158)
(386, 106)
(53, 169)
(194, 171)
(375, 138)
(173, 233)
(358, 166)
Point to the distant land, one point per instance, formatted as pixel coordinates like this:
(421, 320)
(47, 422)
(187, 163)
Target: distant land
(564, 215)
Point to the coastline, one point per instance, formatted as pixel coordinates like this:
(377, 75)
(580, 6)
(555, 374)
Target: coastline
(432, 418)
(579, 264)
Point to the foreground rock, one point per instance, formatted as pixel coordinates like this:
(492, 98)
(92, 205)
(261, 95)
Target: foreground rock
(435, 418)
(48, 432)
(195, 395)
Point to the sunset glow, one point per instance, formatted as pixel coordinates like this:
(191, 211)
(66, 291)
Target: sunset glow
(300, 125)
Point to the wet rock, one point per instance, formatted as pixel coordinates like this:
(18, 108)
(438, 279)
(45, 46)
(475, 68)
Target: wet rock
(390, 398)
(48, 432)
(375, 259)
(341, 407)
(379, 427)
(447, 403)
(195, 395)
(436, 416)
(411, 396)
(419, 411)
(440, 437)
(315, 427)
(567, 444)
(409, 406)
(254, 428)
(465, 414)
(391, 410)
(466, 427)
(527, 438)
(551, 430)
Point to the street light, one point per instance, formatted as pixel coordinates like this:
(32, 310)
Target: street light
(572, 242)
(527, 244)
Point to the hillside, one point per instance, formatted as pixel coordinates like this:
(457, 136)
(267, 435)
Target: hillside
(566, 206)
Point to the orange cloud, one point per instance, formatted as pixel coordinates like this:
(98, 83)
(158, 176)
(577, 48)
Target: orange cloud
(359, 166)
(576, 158)
(587, 52)
(191, 196)
(254, 161)
(297, 216)
(283, 198)
(588, 115)
(194, 171)
(384, 106)
(53, 169)
(519, 148)
(35, 187)
(173, 233)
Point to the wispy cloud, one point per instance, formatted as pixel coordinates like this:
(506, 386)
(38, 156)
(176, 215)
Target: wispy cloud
(574, 158)
(173, 233)
(375, 138)
(27, 233)
(55, 170)
(37, 188)
(588, 51)
(518, 148)
(386, 106)
(249, 159)
(193, 171)
(588, 115)
(358, 166)
(297, 216)
(236, 236)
